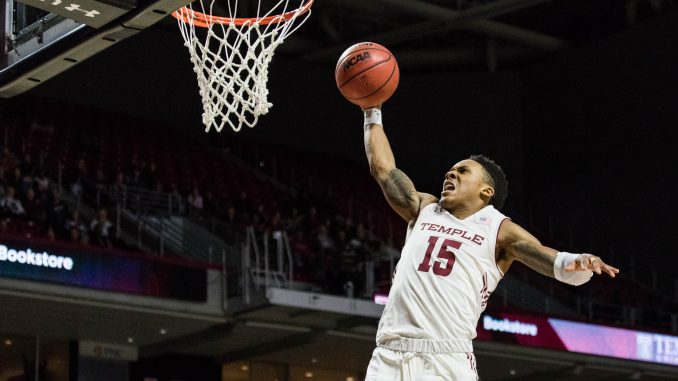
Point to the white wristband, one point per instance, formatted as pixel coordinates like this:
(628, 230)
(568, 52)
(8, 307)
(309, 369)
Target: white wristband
(575, 278)
(372, 116)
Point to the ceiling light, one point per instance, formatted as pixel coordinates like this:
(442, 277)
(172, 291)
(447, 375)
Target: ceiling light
(244, 367)
(308, 374)
(8, 342)
(163, 331)
(314, 360)
(130, 340)
(512, 372)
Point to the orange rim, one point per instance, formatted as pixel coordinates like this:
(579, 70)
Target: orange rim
(189, 16)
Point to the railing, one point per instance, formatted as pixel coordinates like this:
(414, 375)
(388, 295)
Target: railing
(517, 293)
(266, 260)
(155, 221)
(263, 268)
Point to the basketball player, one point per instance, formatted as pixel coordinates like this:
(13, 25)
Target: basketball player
(458, 248)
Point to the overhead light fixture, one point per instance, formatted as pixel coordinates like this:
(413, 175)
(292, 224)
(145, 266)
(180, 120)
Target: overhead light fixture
(130, 340)
(314, 360)
(244, 367)
(8, 342)
(163, 331)
(308, 374)
(512, 372)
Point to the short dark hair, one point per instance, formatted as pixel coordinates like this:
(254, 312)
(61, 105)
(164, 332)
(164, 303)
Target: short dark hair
(496, 177)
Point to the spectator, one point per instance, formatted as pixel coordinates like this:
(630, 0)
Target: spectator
(211, 204)
(231, 217)
(323, 239)
(136, 180)
(195, 201)
(176, 200)
(8, 160)
(119, 187)
(42, 184)
(149, 175)
(101, 225)
(2, 182)
(75, 222)
(158, 187)
(243, 205)
(15, 180)
(11, 206)
(74, 236)
(26, 184)
(97, 237)
(313, 220)
(100, 187)
(50, 234)
(34, 208)
(56, 210)
(27, 165)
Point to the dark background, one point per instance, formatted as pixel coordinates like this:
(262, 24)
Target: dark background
(587, 136)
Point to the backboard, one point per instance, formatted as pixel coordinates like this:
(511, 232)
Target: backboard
(42, 38)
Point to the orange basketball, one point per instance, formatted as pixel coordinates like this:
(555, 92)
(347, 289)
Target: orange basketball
(367, 74)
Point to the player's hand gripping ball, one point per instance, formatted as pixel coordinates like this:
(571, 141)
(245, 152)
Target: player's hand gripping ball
(367, 74)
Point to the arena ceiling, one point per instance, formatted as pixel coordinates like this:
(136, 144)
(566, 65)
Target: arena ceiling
(476, 34)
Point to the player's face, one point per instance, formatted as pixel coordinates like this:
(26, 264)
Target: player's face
(464, 182)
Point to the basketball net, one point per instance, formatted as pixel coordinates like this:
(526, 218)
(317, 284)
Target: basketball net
(231, 60)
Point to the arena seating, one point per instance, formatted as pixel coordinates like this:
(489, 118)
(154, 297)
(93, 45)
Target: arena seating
(322, 201)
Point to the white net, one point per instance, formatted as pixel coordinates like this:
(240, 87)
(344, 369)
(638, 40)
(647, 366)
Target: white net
(231, 57)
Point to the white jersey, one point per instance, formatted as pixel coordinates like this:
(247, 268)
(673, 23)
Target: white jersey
(446, 273)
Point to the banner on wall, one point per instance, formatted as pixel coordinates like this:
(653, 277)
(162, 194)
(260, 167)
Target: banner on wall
(571, 336)
(108, 271)
(105, 351)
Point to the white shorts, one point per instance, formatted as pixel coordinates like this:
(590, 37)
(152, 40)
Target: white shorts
(390, 365)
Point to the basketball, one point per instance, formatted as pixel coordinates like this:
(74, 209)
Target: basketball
(367, 74)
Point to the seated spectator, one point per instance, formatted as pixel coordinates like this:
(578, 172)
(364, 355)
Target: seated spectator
(27, 165)
(42, 184)
(11, 206)
(136, 180)
(195, 201)
(176, 200)
(100, 230)
(100, 188)
(97, 237)
(76, 222)
(56, 210)
(119, 186)
(50, 234)
(8, 160)
(26, 184)
(323, 239)
(211, 204)
(149, 174)
(15, 179)
(34, 208)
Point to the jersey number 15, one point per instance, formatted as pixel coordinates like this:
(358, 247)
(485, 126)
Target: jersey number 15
(444, 254)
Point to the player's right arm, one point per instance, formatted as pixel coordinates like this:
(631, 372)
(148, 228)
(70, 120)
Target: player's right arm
(397, 187)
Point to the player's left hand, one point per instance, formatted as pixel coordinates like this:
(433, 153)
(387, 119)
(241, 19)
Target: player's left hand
(589, 262)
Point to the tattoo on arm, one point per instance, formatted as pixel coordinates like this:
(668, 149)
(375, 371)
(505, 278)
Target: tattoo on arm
(538, 260)
(400, 190)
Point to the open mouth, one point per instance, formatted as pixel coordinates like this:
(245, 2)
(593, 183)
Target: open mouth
(448, 187)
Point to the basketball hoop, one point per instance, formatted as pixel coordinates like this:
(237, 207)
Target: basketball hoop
(232, 60)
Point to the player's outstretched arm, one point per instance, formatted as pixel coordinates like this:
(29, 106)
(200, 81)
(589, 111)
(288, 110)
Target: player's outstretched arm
(397, 187)
(516, 243)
